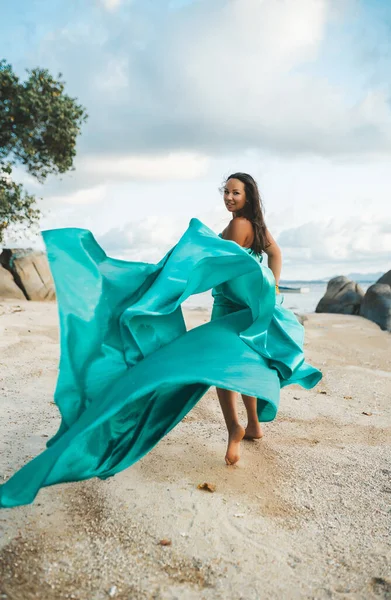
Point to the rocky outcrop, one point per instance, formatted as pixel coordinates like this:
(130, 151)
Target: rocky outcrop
(342, 296)
(376, 304)
(8, 287)
(386, 278)
(30, 273)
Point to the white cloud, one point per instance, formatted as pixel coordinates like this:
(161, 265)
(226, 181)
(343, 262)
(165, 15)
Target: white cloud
(179, 166)
(221, 77)
(113, 80)
(146, 240)
(150, 238)
(358, 240)
(314, 249)
(111, 4)
(85, 196)
(93, 173)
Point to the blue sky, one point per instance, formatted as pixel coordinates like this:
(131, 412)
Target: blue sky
(180, 93)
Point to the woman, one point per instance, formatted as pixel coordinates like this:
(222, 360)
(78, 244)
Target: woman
(247, 228)
(129, 371)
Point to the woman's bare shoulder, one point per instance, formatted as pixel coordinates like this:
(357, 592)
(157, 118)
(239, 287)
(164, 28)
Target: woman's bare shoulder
(240, 224)
(239, 230)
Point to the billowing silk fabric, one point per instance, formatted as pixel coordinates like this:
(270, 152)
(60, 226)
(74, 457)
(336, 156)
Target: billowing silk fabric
(129, 371)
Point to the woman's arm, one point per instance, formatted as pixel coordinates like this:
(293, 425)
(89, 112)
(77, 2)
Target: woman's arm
(274, 258)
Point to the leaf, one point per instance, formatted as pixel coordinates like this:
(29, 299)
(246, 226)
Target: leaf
(209, 487)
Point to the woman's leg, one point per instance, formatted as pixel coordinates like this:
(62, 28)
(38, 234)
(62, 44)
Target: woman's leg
(253, 429)
(236, 432)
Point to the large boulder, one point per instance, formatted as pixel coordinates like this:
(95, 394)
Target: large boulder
(342, 296)
(386, 278)
(30, 271)
(376, 305)
(8, 287)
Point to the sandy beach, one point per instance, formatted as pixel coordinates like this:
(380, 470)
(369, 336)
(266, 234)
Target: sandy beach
(306, 514)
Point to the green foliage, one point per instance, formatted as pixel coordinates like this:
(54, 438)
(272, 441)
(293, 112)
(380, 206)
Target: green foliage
(16, 206)
(39, 125)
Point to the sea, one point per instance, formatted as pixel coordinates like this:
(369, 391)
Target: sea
(302, 303)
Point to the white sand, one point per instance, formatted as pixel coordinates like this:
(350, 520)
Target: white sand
(305, 515)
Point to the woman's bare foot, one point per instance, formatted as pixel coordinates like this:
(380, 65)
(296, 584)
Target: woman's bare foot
(235, 436)
(253, 431)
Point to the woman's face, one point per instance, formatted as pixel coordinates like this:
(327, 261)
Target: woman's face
(234, 195)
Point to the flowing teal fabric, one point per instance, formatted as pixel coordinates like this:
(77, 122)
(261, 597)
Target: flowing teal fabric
(129, 371)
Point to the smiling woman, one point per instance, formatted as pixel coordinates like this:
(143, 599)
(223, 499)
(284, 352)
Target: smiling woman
(248, 229)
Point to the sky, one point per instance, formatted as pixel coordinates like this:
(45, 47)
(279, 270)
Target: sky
(181, 93)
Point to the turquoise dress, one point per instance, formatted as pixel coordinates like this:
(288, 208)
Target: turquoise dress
(129, 371)
(222, 305)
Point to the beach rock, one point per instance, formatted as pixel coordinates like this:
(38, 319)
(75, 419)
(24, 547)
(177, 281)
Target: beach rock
(386, 278)
(342, 296)
(30, 271)
(8, 287)
(376, 305)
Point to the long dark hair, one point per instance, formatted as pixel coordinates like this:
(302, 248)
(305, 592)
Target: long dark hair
(253, 211)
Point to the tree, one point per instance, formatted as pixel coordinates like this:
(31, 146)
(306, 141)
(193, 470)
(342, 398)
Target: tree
(39, 125)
